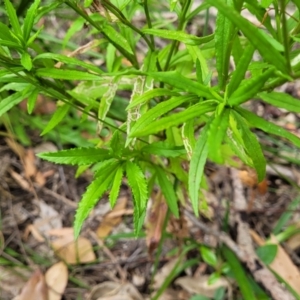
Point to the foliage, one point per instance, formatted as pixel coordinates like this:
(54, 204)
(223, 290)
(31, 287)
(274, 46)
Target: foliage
(175, 111)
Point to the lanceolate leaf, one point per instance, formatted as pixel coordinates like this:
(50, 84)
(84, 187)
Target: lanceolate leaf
(7, 103)
(29, 19)
(115, 189)
(239, 274)
(241, 68)
(223, 36)
(150, 95)
(250, 88)
(93, 194)
(158, 110)
(281, 100)
(163, 149)
(216, 135)
(116, 37)
(167, 190)
(26, 61)
(254, 35)
(179, 36)
(76, 156)
(11, 12)
(252, 146)
(69, 60)
(57, 117)
(5, 34)
(198, 161)
(175, 79)
(138, 185)
(175, 119)
(267, 126)
(66, 74)
(105, 103)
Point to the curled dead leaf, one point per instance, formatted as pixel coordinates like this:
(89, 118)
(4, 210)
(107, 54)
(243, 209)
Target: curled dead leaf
(110, 290)
(200, 285)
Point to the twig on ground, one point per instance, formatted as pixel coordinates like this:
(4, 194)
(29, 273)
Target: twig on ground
(61, 198)
(122, 272)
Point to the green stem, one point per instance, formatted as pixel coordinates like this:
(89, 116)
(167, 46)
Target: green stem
(149, 23)
(181, 25)
(131, 58)
(113, 9)
(285, 35)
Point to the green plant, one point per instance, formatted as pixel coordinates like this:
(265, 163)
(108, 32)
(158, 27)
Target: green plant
(174, 112)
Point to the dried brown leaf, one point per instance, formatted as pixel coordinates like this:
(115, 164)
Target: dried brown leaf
(112, 219)
(154, 222)
(35, 288)
(110, 290)
(73, 251)
(56, 279)
(284, 267)
(200, 285)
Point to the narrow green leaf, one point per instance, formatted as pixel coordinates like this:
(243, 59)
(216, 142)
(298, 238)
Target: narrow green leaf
(32, 100)
(75, 27)
(180, 36)
(138, 185)
(163, 149)
(29, 19)
(167, 190)
(223, 45)
(175, 79)
(173, 4)
(175, 119)
(281, 100)
(252, 146)
(7, 103)
(34, 36)
(239, 274)
(69, 60)
(209, 256)
(142, 99)
(26, 61)
(116, 144)
(241, 68)
(12, 15)
(10, 44)
(93, 193)
(254, 35)
(76, 156)
(198, 56)
(6, 34)
(110, 58)
(267, 253)
(216, 135)
(267, 126)
(115, 189)
(159, 110)
(235, 142)
(188, 137)
(249, 88)
(116, 37)
(66, 74)
(197, 164)
(105, 103)
(58, 116)
(286, 216)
